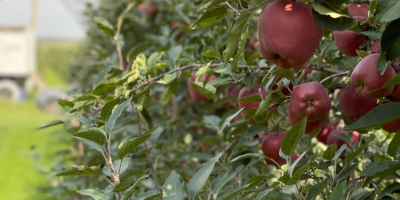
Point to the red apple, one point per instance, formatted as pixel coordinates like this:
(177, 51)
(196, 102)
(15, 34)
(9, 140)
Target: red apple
(396, 93)
(367, 80)
(192, 92)
(231, 93)
(332, 138)
(354, 106)
(358, 9)
(310, 126)
(392, 127)
(251, 105)
(323, 134)
(310, 100)
(271, 145)
(375, 47)
(150, 9)
(288, 33)
(349, 41)
(284, 90)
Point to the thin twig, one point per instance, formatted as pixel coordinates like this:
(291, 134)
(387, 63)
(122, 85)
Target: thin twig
(333, 76)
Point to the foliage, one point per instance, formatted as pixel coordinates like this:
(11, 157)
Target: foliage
(145, 138)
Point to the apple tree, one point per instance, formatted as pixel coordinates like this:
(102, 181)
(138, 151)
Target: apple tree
(234, 99)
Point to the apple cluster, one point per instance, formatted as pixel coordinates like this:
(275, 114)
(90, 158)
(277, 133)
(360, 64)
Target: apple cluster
(283, 28)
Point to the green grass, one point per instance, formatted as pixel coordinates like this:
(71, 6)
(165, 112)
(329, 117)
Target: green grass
(22, 148)
(19, 143)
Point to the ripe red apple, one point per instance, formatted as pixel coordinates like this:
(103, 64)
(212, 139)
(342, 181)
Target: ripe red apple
(192, 92)
(375, 47)
(395, 95)
(310, 126)
(310, 100)
(323, 134)
(150, 9)
(392, 127)
(288, 33)
(349, 41)
(367, 80)
(231, 92)
(251, 105)
(358, 9)
(354, 106)
(332, 138)
(271, 145)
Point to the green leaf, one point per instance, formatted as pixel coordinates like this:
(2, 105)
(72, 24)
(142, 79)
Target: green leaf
(235, 35)
(65, 103)
(334, 24)
(376, 35)
(83, 170)
(265, 103)
(318, 188)
(104, 88)
(391, 40)
(252, 98)
(174, 53)
(129, 191)
(389, 189)
(150, 194)
(212, 122)
(129, 145)
(247, 155)
(105, 26)
(297, 174)
(394, 145)
(115, 115)
(376, 168)
(173, 188)
(201, 176)
(220, 81)
(382, 64)
(92, 145)
(210, 16)
(287, 73)
(339, 152)
(94, 135)
(220, 181)
(212, 3)
(126, 163)
(394, 80)
(357, 152)
(85, 121)
(211, 53)
(96, 194)
(168, 78)
(101, 76)
(52, 123)
(292, 137)
(292, 166)
(338, 192)
(264, 194)
(207, 91)
(325, 11)
(231, 194)
(330, 152)
(346, 172)
(108, 108)
(377, 116)
(240, 51)
(361, 193)
(136, 50)
(228, 119)
(387, 10)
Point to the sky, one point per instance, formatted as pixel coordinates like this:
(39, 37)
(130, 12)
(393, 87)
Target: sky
(56, 20)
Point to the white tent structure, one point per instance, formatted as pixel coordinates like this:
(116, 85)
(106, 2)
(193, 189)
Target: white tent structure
(56, 19)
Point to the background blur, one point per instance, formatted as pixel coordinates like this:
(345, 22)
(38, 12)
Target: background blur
(38, 42)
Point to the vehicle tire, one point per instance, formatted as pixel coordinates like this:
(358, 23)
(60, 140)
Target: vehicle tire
(47, 100)
(10, 90)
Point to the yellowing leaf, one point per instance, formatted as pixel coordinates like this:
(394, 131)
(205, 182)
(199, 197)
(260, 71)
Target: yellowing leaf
(140, 62)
